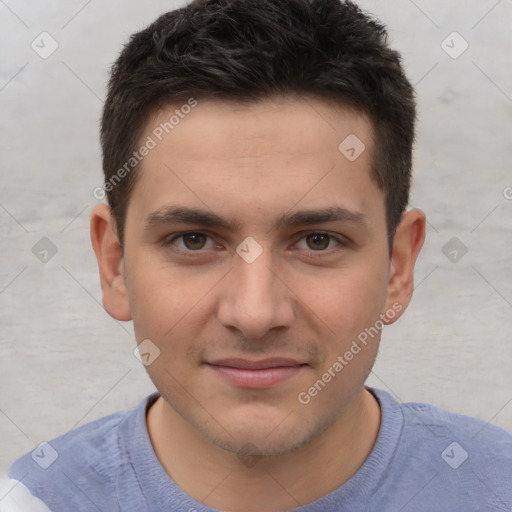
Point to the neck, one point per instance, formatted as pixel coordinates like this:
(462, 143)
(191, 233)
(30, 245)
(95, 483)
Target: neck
(221, 480)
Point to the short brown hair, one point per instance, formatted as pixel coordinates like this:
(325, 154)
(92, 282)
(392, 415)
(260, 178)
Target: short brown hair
(247, 50)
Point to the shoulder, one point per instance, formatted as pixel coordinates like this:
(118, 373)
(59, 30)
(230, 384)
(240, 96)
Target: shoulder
(480, 436)
(450, 456)
(472, 452)
(82, 445)
(431, 422)
(80, 466)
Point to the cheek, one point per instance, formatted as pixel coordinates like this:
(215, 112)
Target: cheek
(175, 313)
(347, 302)
(162, 301)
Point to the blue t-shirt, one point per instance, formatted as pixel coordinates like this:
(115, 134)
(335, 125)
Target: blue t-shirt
(425, 460)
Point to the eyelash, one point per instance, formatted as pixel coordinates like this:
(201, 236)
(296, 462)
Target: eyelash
(341, 241)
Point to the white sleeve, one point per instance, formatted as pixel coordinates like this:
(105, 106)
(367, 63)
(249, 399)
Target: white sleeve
(15, 497)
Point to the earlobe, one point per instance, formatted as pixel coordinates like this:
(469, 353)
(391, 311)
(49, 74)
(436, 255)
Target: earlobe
(109, 255)
(408, 241)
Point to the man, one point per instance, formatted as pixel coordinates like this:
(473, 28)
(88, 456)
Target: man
(257, 159)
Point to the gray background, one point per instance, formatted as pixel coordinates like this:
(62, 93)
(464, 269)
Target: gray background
(64, 361)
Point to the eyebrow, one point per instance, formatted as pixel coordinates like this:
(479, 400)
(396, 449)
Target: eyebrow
(332, 214)
(179, 214)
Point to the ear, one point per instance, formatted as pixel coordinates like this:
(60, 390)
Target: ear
(109, 254)
(408, 241)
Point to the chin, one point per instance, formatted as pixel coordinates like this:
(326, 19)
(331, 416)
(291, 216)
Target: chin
(255, 445)
(265, 438)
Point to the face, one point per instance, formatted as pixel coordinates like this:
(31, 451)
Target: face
(255, 256)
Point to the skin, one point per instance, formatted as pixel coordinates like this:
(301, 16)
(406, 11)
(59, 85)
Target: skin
(304, 297)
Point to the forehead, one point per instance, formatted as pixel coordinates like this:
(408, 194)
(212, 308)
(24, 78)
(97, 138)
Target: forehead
(273, 125)
(265, 157)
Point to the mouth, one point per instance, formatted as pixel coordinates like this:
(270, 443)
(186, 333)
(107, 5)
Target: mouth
(260, 374)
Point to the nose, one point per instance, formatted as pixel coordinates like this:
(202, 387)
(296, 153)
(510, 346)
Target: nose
(255, 298)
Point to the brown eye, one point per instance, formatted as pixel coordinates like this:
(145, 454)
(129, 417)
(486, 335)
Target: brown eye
(194, 241)
(318, 241)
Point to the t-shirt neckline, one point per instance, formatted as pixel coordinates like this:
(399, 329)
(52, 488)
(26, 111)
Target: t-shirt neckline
(161, 491)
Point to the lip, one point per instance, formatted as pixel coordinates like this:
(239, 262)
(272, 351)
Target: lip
(260, 374)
